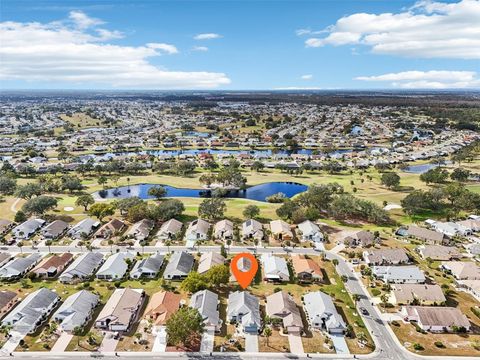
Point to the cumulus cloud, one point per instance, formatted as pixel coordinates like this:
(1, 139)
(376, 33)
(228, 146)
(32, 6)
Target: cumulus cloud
(306, 77)
(428, 29)
(76, 52)
(434, 79)
(200, 48)
(207, 36)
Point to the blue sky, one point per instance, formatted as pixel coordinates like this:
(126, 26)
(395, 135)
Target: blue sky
(245, 44)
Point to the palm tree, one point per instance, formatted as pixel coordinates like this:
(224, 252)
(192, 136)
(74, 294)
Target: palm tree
(335, 262)
(48, 243)
(356, 298)
(267, 332)
(384, 298)
(167, 244)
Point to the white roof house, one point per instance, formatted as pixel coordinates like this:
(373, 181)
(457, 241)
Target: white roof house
(223, 230)
(399, 274)
(252, 229)
(244, 309)
(169, 230)
(197, 230)
(310, 232)
(19, 266)
(26, 229)
(76, 310)
(206, 302)
(208, 260)
(275, 268)
(321, 312)
(140, 230)
(115, 267)
(83, 228)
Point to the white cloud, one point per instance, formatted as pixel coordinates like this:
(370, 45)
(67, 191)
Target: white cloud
(167, 48)
(306, 77)
(429, 29)
(207, 36)
(64, 53)
(434, 79)
(200, 48)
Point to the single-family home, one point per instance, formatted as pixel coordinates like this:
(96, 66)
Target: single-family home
(438, 252)
(83, 229)
(111, 228)
(322, 314)
(472, 224)
(462, 270)
(5, 258)
(208, 260)
(275, 268)
(223, 230)
(179, 265)
(399, 274)
(82, 268)
(8, 299)
(362, 238)
(281, 230)
(115, 267)
(306, 269)
(309, 231)
(161, 306)
(197, 230)
(427, 235)
(26, 229)
(422, 294)
(280, 305)
(169, 230)
(450, 228)
(386, 257)
(470, 286)
(252, 230)
(148, 267)
(244, 309)
(436, 318)
(77, 310)
(54, 230)
(27, 316)
(52, 266)
(206, 302)
(140, 230)
(121, 310)
(5, 226)
(19, 266)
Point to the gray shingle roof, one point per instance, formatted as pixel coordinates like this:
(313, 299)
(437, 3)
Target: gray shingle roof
(180, 262)
(83, 266)
(75, 311)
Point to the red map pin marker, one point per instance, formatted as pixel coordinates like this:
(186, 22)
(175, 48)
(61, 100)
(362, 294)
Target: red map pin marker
(244, 267)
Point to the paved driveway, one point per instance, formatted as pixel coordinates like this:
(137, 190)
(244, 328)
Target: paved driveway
(160, 343)
(295, 341)
(251, 343)
(12, 343)
(62, 342)
(208, 340)
(340, 344)
(109, 343)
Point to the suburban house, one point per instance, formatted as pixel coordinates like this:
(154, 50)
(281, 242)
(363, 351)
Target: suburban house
(5, 226)
(310, 231)
(197, 230)
(179, 265)
(450, 229)
(120, 310)
(422, 294)
(244, 309)
(52, 266)
(169, 230)
(206, 302)
(77, 310)
(362, 238)
(82, 268)
(148, 267)
(54, 230)
(427, 235)
(140, 230)
(115, 267)
(252, 230)
(27, 316)
(208, 260)
(83, 229)
(399, 274)
(436, 318)
(19, 266)
(280, 305)
(306, 269)
(438, 252)
(5, 258)
(470, 286)
(26, 229)
(161, 306)
(113, 227)
(472, 224)
(223, 230)
(8, 299)
(281, 230)
(386, 257)
(461, 270)
(322, 314)
(275, 268)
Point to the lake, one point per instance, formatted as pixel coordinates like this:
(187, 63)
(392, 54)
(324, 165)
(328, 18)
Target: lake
(256, 192)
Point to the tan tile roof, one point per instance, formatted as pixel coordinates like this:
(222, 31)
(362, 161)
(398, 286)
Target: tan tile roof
(302, 264)
(162, 305)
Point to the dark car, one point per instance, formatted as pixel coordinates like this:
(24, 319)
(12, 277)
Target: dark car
(364, 311)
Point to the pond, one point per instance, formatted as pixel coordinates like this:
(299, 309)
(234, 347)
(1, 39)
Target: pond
(420, 169)
(256, 192)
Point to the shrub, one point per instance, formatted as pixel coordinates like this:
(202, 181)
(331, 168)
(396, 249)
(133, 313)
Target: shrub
(376, 292)
(439, 344)
(418, 347)
(395, 323)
